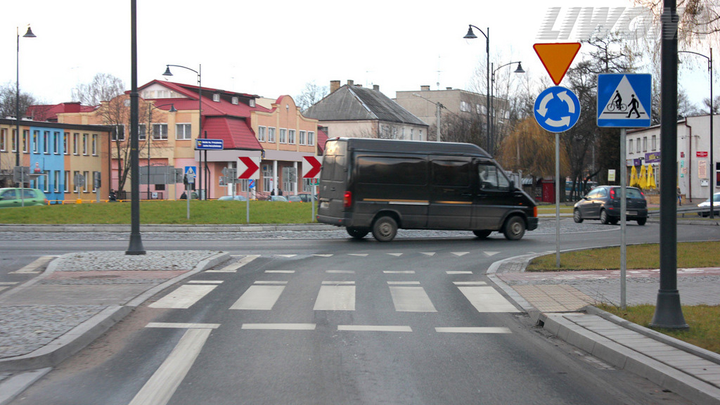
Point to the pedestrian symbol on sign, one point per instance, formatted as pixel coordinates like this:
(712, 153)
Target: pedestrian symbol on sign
(624, 100)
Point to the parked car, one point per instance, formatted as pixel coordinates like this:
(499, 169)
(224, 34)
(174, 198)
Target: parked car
(603, 203)
(233, 198)
(278, 198)
(301, 198)
(17, 197)
(706, 205)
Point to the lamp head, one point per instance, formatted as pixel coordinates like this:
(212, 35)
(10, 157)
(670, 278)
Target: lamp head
(470, 34)
(29, 33)
(172, 108)
(519, 68)
(167, 71)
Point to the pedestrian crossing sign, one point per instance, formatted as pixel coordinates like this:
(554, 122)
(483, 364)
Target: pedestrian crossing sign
(624, 100)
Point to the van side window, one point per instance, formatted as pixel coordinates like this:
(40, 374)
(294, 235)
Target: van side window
(391, 170)
(492, 179)
(328, 168)
(451, 173)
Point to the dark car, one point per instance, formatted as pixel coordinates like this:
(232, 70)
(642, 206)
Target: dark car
(301, 198)
(603, 203)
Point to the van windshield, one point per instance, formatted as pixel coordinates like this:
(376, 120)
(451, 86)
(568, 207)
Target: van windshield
(492, 179)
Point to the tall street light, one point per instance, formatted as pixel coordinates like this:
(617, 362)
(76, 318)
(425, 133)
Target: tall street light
(519, 70)
(147, 137)
(28, 34)
(136, 245)
(199, 79)
(712, 162)
(471, 35)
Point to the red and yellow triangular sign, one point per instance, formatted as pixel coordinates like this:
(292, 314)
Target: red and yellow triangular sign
(557, 58)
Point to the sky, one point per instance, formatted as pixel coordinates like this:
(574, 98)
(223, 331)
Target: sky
(275, 48)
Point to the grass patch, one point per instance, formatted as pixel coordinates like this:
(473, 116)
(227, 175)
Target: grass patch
(162, 212)
(689, 255)
(704, 322)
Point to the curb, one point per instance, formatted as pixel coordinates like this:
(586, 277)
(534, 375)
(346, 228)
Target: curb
(82, 335)
(166, 228)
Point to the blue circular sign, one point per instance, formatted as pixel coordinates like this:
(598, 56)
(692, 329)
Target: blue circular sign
(557, 109)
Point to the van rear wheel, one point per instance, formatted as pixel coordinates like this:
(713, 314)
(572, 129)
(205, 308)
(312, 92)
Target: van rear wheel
(482, 234)
(384, 229)
(514, 228)
(357, 233)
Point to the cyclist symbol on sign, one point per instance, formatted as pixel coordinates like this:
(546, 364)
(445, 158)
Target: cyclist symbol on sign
(616, 103)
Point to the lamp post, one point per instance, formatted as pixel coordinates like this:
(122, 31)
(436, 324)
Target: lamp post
(471, 35)
(199, 79)
(136, 245)
(147, 137)
(28, 34)
(519, 70)
(438, 106)
(712, 162)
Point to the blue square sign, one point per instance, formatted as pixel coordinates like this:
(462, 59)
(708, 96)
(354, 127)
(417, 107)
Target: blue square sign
(624, 100)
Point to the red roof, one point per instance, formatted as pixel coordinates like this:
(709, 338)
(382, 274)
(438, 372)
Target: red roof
(50, 112)
(321, 139)
(235, 132)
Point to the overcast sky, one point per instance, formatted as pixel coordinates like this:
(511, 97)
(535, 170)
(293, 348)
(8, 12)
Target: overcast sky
(275, 48)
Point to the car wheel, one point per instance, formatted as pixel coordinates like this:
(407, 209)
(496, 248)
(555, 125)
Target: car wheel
(482, 234)
(641, 221)
(614, 221)
(384, 229)
(514, 228)
(357, 233)
(577, 216)
(604, 217)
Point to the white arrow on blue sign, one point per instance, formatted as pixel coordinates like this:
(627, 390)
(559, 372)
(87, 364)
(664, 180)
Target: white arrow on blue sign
(557, 109)
(624, 100)
(190, 173)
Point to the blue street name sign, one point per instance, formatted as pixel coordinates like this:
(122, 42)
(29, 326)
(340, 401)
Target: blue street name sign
(624, 100)
(209, 144)
(557, 109)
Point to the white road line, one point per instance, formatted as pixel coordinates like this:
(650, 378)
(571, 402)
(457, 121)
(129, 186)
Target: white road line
(3, 288)
(173, 325)
(165, 381)
(280, 271)
(490, 254)
(428, 253)
(259, 297)
(374, 328)
(340, 272)
(287, 256)
(269, 282)
(8, 282)
(451, 273)
(322, 255)
(469, 283)
(338, 283)
(233, 267)
(403, 283)
(459, 253)
(473, 330)
(34, 266)
(399, 272)
(487, 299)
(358, 254)
(205, 282)
(184, 297)
(395, 254)
(278, 326)
(335, 298)
(411, 299)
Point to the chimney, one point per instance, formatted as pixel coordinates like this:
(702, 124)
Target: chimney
(448, 88)
(334, 85)
(376, 87)
(350, 82)
(424, 88)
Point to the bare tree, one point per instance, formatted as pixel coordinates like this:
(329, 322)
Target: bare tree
(7, 101)
(311, 94)
(698, 18)
(103, 87)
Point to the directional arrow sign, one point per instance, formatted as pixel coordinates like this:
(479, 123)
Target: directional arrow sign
(248, 168)
(557, 109)
(311, 167)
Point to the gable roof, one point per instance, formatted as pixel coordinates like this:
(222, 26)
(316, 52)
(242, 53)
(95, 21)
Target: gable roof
(355, 103)
(50, 112)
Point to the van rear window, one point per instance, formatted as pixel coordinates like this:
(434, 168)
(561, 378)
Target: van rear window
(391, 170)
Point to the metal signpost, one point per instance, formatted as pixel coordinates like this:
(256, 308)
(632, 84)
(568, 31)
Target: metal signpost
(624, 101)
(190, 173)
(311, 169)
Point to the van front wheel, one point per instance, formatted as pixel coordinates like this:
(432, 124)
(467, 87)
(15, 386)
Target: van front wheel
(384, 229)
(357, 233)
(514, 228)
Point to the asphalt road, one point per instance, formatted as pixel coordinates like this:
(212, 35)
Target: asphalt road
(414, 321)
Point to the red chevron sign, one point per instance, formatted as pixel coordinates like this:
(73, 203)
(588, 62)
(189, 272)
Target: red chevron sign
(311, 167)
(248, 168)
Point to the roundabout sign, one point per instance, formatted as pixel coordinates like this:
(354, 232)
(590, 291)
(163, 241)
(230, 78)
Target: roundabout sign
(557, 109)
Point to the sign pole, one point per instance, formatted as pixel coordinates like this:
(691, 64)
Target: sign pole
(247, 205)
(557, 199)
(623, 220)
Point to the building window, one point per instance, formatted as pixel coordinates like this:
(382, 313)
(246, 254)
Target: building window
(644, 143)
(3, 139)
(46, 181)
(261, 134)
(216, 97)
(35, 143)
(637, 145)
(56, 142)
(464, 106)
(301, 141)
(267, 178)
(86, 175)
(160, 132)
(235, 100)
(142, 132)
(291, 136)
(75, 176)
(654, 142)
(66, 188)
(271, 135)
(66, 139)
(119, 133)
(57, 181)
(94, 144)
(311, 138)
(630, 146)
(76, 143)
(26, 140)
(14, 141)
(283, 133)
(85, 144)
(46, 142)
(183, 131)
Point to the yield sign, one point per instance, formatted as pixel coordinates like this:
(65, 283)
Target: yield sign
(557, 58)
(311, 167)
(248, 168)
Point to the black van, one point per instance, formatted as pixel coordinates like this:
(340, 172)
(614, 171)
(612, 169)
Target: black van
(378, 186)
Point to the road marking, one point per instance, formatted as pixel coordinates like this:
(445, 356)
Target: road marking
(174, 325)
(395, 254)
(469, 283)
(165, 381)
(428, 253)
(473, 330)
(459, 253)
(487, 299)
(8, 282)
(323, 255)
(490, 254)
(458, 272)
(259, 298)
(358, 254)
(280, 271)
(233, 267)
(399, 271)
(411, 299)
(271, 282)
(184, 297)
(286, 256)
(403, 283)
(340, 272)
(34, 266)
(278, 326)
(374, 328)
(205, 282)
(336, 296)
(3, 288)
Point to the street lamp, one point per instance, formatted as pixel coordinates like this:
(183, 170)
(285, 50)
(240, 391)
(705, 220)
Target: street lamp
(199, 79)
(712, 164)
(519, 70)
(147, 137)
(136, 246)
(28, 34)
(471, 35)
(438, 106)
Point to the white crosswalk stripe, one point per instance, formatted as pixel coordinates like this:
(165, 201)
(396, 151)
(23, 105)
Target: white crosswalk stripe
(184, 297)
(259, 297)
